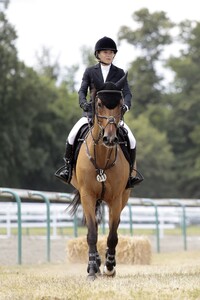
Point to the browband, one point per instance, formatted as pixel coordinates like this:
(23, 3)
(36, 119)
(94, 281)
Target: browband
(109, 91)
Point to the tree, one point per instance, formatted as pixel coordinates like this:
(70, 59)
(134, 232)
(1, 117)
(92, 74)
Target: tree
(151, 36)
(183, 129)
(33, 123)
(88, 57)
(149, 116)
(45, 66)
(155, 159)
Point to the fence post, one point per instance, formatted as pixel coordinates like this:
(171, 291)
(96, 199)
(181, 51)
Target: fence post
(33, 193)
(183, 223)
(152, 203)
(19, 221)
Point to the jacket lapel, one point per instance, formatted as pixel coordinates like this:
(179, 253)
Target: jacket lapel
(111, 73)
(97, 70)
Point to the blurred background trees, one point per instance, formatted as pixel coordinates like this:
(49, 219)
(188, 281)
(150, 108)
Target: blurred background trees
(38, 107)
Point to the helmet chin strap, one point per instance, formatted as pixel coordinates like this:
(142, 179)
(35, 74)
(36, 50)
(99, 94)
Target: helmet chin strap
(103, 63)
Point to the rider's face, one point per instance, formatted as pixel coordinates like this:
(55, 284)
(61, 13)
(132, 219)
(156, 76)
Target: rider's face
(106, 56)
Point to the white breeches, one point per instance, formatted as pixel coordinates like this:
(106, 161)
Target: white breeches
(75, 129)
(84, 120)
(130, 136)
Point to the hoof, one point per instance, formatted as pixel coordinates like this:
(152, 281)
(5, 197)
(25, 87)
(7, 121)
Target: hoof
(98, 274)
(91, 277)
(109, 273)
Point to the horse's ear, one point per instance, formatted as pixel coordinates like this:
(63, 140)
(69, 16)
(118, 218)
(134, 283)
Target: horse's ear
(120, 84)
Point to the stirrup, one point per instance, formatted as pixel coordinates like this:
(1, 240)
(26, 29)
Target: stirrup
(60, 170)
(132, 181)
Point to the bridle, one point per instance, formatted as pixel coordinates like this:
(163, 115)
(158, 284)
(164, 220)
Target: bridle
(110, 119)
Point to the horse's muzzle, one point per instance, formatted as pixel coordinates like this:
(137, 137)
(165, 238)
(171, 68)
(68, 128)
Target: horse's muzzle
(110, 141)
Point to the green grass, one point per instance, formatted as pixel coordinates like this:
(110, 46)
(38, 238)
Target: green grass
(69, 231)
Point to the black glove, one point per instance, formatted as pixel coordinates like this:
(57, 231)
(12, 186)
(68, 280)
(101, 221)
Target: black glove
(86, 106)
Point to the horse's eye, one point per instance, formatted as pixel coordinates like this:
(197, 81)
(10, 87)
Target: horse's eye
(100, 105)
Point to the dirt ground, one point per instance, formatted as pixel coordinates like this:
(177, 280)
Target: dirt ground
(34, 249)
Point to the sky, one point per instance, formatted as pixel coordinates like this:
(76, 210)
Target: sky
(64, 26)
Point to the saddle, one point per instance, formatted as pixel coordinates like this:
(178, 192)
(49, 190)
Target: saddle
(122, 136)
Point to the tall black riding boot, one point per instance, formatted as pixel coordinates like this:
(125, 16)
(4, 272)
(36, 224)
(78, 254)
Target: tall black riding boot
(133, 180)
(65, 172)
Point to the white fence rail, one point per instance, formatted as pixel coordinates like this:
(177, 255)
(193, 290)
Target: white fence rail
(33, 215)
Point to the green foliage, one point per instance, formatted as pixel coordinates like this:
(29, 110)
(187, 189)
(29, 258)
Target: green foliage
(183, 134)
(88, 57)
(39, 107)
(175, 114)
(34, 120)
(154, 158)
(144, 83)
(152, 33)
(45, 65)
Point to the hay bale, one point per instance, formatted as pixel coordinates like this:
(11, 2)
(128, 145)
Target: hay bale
(130, 250)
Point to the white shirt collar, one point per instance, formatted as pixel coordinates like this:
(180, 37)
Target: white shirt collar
(105, 70)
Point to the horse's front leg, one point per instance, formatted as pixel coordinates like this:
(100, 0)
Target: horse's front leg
(94, 261)
(112, 241)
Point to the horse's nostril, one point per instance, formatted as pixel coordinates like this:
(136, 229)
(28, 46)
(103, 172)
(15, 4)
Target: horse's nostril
(110, 141)
(116, 140)
(105, 139)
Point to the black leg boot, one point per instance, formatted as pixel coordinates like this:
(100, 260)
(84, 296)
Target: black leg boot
(65, 172)
(133, 180)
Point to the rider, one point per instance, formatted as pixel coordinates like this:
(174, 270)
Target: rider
(105, 51)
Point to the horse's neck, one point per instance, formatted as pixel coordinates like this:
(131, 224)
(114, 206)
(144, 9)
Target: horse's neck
(102, 154)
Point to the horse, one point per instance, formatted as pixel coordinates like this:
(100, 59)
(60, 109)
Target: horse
(101, 174)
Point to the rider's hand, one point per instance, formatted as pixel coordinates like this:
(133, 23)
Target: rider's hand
(124, 108)
(86, 106)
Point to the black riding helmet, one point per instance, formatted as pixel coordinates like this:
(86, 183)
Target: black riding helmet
(105, 43)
